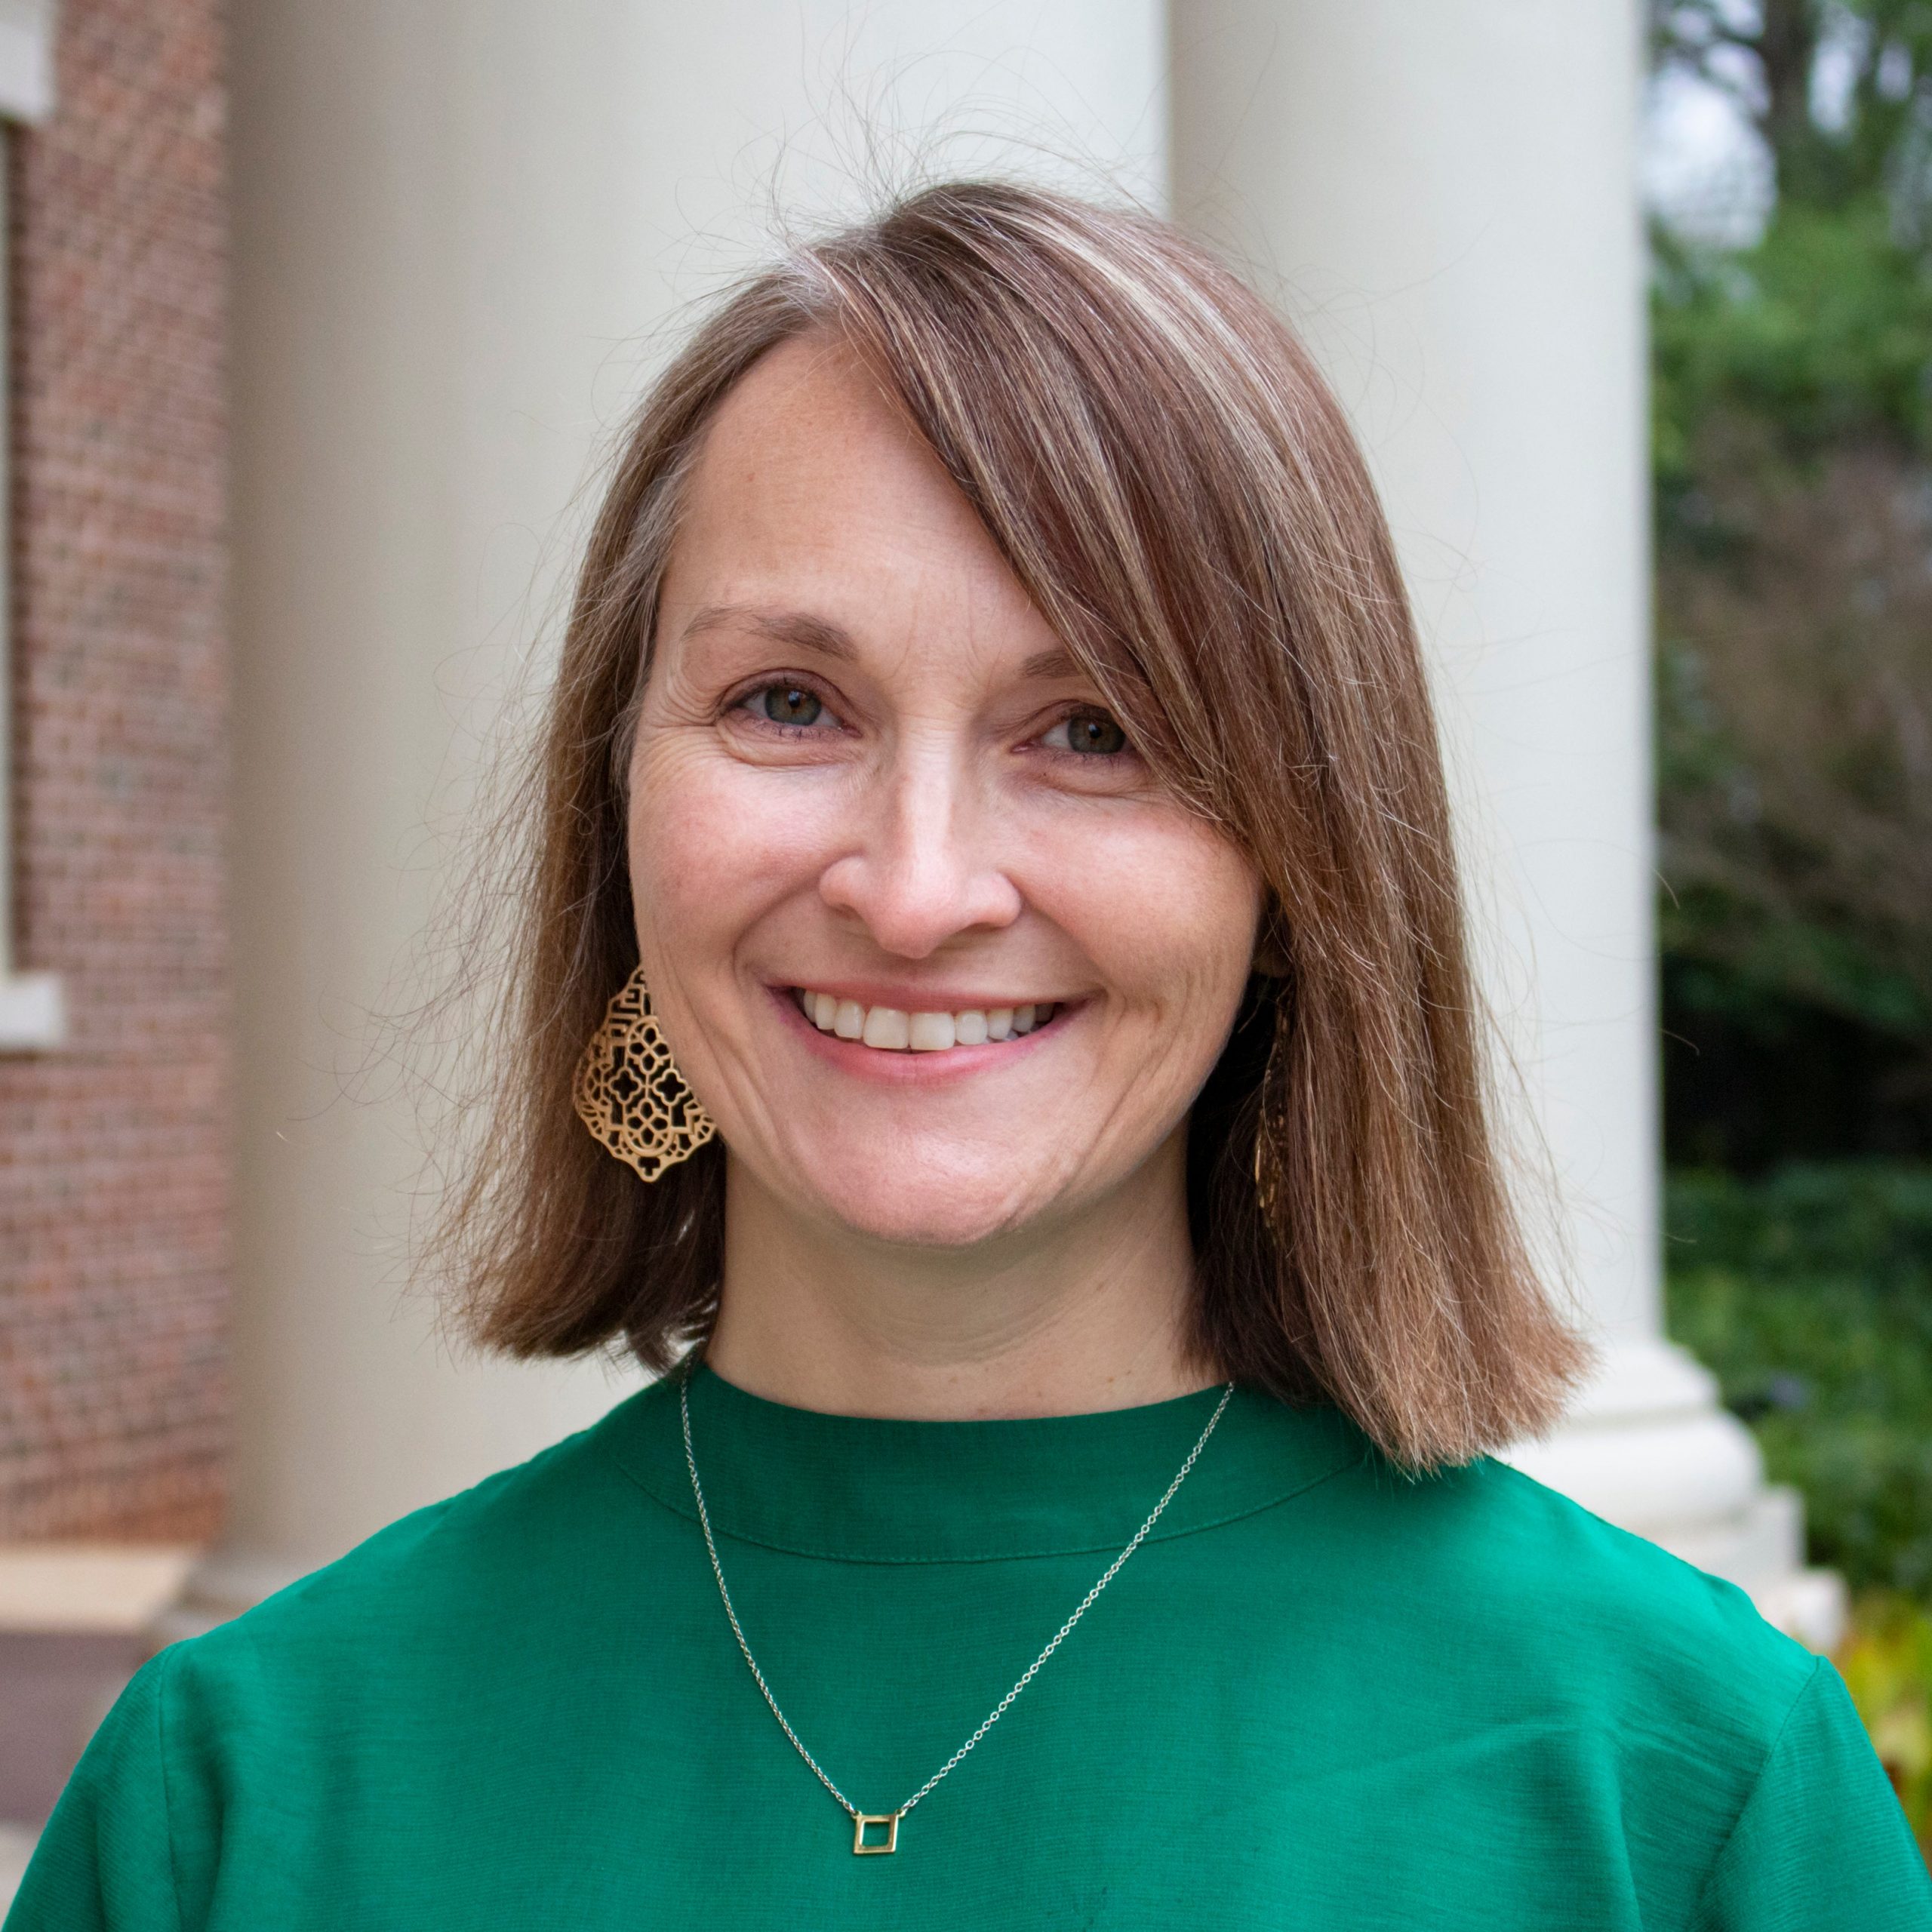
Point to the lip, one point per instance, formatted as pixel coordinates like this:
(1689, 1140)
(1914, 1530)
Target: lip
(911, 1069)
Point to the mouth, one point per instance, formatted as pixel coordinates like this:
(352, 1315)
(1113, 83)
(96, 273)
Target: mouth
(892, 1029)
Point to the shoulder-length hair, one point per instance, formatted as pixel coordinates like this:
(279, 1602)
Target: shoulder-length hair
(1170, 478)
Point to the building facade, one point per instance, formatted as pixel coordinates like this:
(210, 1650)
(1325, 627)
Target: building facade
(115, 1207)
(115, 1201)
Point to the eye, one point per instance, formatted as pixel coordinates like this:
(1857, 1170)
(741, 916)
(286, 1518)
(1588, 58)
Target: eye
(1090, 734)
(786, 704)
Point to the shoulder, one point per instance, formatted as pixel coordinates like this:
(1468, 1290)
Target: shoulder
(367, 1680)
(1483, 1561)
(1724, 1761)
(476, 1573)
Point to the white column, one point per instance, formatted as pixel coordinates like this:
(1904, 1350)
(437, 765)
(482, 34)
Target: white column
(465, 230)
(1445, 197)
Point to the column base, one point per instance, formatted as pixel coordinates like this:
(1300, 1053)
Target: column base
(1648, 1446)
(224, 1585)
(76, 1621)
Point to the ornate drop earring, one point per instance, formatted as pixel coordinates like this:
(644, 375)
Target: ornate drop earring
(1267, 1182)
(629, 1093)
(1267, 1164)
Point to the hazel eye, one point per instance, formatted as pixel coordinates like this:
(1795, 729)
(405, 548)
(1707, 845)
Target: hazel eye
(788, 704)
(1091, 734)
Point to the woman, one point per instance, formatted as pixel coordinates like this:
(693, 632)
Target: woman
(993, 909)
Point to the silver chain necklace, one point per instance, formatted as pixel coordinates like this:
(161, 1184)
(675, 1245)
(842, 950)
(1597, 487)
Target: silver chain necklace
(887, 1822)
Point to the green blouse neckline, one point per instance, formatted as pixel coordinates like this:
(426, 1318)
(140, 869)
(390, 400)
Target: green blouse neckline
(867, 1489)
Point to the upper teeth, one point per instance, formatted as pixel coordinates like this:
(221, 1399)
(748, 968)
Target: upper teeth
(894, 1031)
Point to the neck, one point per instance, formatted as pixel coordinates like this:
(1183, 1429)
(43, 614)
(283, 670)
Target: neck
(1089, 1313)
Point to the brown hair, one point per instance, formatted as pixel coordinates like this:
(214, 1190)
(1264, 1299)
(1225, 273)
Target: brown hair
(1171, 480)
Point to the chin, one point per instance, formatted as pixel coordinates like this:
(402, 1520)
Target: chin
(958, 1214)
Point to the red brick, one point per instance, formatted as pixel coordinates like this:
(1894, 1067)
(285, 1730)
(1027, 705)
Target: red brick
(114, 1181)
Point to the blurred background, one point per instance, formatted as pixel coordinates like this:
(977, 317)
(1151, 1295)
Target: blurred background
(1789, 164)
(317, 319)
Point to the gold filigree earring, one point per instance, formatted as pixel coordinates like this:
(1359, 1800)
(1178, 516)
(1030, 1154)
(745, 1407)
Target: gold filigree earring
(629, 1093)
(1267, 1177)
(1268, 1186)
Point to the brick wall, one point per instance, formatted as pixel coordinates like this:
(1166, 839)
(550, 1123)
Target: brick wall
(113, 1169)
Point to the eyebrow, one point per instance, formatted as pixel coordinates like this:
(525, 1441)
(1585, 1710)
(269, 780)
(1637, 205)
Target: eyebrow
(805, 632)
(1057, 663)
(799, 628)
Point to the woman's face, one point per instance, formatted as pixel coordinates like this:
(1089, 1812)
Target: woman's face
(879, 821)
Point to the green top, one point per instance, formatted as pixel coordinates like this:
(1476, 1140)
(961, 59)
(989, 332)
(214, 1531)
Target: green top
(1319, 1695)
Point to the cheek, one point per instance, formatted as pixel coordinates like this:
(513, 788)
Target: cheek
(1166, 907)
(673, 823)
(708, 844)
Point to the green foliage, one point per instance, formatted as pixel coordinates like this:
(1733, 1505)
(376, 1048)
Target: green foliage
(1793, 708)
(1747, 950)
(1793, 457)
(1822, 333)
(1793, 400)
(1887, 1662)
(1808, 1292)
(1772, 969)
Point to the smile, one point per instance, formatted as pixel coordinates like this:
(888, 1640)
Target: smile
(890, 1030)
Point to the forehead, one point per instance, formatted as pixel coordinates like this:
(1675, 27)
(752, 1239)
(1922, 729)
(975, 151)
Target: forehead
(811, 490)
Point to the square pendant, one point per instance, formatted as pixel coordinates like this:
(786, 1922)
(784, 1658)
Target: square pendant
(886, 1823)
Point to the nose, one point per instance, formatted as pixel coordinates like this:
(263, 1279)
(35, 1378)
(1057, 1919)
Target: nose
(916, 864)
